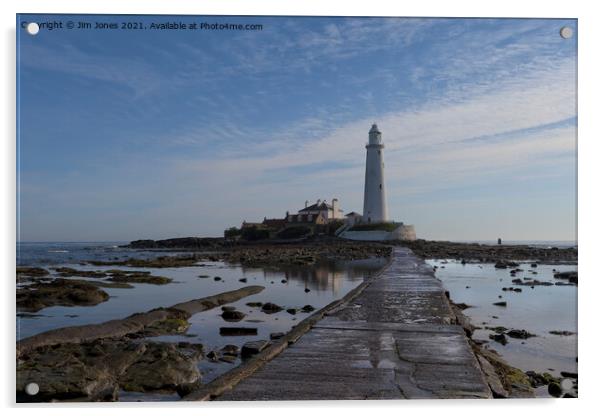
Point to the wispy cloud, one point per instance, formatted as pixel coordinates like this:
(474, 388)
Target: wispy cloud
(253, 124)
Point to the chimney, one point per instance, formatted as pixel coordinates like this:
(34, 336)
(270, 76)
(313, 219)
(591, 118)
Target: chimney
(335, 208)
(306, 203)
(319, 200)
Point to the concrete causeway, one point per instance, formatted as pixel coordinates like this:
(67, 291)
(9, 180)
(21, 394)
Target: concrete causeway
(396, 340)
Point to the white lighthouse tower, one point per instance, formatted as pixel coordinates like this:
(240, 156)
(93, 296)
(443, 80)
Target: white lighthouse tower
(375, 196)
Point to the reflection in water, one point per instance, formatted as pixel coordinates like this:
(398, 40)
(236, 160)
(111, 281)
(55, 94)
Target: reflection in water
(325, 275)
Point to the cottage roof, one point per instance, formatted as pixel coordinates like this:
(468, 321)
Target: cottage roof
(353, 214)
(317, 207)
(274, 222)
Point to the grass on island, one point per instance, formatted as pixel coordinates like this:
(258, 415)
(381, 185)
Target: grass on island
(381, 226)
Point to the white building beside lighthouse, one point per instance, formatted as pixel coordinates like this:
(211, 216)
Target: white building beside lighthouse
(375, 194)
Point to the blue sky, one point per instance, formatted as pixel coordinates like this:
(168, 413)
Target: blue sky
(157, 134)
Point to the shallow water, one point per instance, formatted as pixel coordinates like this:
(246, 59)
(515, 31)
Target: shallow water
(285, 286)
(538, 310)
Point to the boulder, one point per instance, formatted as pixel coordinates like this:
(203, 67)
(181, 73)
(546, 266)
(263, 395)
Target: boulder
(308, 308)
(519, 333)
(230, 349)
(253, 347)
(555, 389)
(59, 292)
(501, 338)
(271, 308)
(233, 316)
(99, 369)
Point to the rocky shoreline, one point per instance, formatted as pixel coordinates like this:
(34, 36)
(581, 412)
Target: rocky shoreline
(307, 250)
(251, 254)
(481, 253)
(504, 380)
(94, 362)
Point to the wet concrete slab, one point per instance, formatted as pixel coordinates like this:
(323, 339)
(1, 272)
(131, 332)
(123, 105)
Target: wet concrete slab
(396, 340)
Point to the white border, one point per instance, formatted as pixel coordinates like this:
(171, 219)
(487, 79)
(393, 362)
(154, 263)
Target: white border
(590, 208)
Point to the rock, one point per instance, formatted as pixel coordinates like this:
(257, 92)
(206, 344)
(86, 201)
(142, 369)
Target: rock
(292, 311)
(237, 331)
(497, 329)
(176, 324)
(217, 278)
(503, 264)
(161, 367)
(158, 262)
(555, 389)
(204, 276)
(97, 370)
(308, 308)
(462, 306)
(30, 273)
(243, 280)
(514, 381)
(562, 333)
(233, 316)
(271, 308)
(533, 265)
(517, 289)
(59, 292)
(307, 290)
(255, 304)
(531, 283)
(228, 358)
(493, 380)
(186, 389)
(284, 281)
(568, 374)
(212, 356)
(253, 347)
(179, 243)
(538, 380)
(228, 308)
(140, 277)
(276, 335)
(519, 333)
(70, 272)
(502, 303)
(230, 349)
(501, 338)
(572, 276)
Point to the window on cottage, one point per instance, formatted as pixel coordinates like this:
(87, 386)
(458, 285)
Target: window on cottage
(380, 186)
